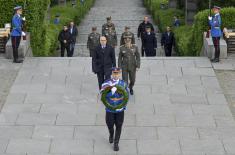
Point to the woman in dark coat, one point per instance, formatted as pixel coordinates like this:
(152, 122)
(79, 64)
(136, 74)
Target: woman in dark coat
(149, 43)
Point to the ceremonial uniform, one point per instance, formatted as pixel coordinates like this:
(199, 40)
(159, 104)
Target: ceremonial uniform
(105, 27)
(111, 37)
(93, 41)
(215, 23)
(17, 24)
(114, 117)
(129, 60)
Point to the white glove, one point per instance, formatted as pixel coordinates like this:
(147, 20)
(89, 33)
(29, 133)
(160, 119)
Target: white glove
(113, 90)
(209, 17)
(24, 19)
(23, 33)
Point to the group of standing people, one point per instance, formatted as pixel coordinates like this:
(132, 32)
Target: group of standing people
(67, 38)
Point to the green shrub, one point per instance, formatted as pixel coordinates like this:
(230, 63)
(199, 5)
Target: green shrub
(67, 14)
(201, 25)
(183, 36)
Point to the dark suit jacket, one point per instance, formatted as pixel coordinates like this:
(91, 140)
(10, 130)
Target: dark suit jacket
(142, 28)
(103, 59)
(168, 40)
(149, 44)
(74, 33)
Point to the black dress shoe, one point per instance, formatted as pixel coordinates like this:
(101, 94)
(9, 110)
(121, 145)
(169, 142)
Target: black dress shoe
(131, 92)
(215, 60)
(115, 147)
(17, 61)
(110, 139)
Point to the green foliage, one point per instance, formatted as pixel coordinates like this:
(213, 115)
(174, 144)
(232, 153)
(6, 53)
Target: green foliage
(201, 25)
(202, 4)
(67, 14)
(43, 33)
(183, 38)
(163, 17)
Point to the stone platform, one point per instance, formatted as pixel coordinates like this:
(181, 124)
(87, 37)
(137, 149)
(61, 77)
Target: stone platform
(178, 109)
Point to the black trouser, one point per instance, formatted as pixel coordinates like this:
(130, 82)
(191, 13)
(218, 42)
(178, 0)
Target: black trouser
(168, 50)
(131, 74)
(216, 42)
(72, 45)
(15, 40)
(142, 47)
(117, 120)
(102, 76)
(67, 47)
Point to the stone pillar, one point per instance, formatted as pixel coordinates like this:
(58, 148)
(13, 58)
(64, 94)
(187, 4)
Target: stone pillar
(190, 10)
(23, 50)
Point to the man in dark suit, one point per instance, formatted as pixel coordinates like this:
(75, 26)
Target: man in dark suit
(103, 61)
(149, 42)
(74, 32)
(65, 39)
(141, 31)
(168, 40)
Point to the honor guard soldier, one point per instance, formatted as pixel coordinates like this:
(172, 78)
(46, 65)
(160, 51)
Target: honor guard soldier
(129, 61)
(115, 116)
(215, 23)
(127, 32)
(93, 40)
(106, 26)
(17, 24)
(111, 36)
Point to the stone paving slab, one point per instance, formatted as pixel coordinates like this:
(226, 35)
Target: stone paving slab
(188, 117)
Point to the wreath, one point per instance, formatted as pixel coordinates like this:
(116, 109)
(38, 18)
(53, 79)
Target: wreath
(121, 90)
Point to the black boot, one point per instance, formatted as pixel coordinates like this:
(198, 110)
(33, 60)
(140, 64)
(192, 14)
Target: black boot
(17, 61)
(110, 138)
(115, 147)
(131, 91)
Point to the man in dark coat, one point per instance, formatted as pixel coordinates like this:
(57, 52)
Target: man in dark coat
(65, 39)
(74, 32)
(149, 43)
(141, 31)
(168, 40)
(103, 60)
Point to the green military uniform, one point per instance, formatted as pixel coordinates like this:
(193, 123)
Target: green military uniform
(122, 42)
(105, 27)
(129, 60)
(93, 41)
(111, 37)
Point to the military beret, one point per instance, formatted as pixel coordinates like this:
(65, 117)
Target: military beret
(116, 69)
(216, 7)
(108, 18)
(18, 7)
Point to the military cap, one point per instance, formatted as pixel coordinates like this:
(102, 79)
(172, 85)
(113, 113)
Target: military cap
(127, 35)
(94, 28)
(216, 7)
(108, 18)
(17, 7)
(127, 27)
(116, 70)
(147, 27)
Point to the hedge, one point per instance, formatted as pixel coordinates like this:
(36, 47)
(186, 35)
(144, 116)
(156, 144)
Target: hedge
(67, 14)
(163, 17)
(201, 25)
(43, 33)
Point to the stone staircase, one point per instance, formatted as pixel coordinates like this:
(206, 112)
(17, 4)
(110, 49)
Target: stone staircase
(124, 13)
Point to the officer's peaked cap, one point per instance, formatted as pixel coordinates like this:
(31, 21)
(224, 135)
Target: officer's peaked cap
(17, 8)
(116, 69)
(216, 7)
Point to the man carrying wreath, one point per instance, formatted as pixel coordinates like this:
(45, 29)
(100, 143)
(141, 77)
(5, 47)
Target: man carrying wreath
(114, 95)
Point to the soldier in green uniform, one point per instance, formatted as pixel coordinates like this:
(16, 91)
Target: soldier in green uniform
(106, 26)
(93, 40)
(129, 61)
(127, 32)
(111, 37)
